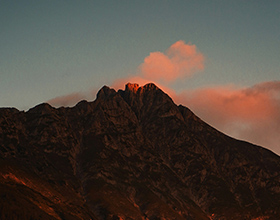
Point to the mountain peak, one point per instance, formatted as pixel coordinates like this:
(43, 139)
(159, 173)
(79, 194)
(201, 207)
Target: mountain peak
(131, 154)
(104, 92)
(150, 86)
(42, 108)
(133, 87)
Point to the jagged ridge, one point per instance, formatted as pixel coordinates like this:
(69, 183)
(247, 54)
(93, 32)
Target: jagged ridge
(130, 154)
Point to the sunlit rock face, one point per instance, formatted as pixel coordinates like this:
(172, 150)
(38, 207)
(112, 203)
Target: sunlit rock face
(130, 154)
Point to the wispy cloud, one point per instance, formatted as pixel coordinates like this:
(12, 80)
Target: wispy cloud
(180, 60)
(72, 98)
(67, 100)
(251, 113)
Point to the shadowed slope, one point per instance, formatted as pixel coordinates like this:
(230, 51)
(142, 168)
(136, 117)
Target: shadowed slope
(131, 154)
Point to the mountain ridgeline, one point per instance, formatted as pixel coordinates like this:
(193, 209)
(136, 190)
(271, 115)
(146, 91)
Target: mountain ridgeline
(130, 154)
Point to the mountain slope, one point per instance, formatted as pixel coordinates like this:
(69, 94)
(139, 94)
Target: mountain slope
(130, 154)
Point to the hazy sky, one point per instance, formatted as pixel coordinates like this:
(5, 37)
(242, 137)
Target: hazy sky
(226, 51)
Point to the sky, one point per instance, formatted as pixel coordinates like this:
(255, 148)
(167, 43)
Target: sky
(219, 58)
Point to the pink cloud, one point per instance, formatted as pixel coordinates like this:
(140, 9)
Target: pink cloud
(179, 61)
(252, 113)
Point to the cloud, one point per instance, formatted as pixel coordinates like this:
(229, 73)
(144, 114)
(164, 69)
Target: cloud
(72, 99)
(67, 100)
(251, 113)
(179, 61)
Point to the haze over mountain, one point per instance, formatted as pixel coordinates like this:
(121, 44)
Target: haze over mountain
(130, 154)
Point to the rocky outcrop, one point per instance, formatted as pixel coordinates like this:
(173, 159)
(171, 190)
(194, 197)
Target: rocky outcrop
(130, 154)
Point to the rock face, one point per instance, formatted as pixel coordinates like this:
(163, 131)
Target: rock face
(130, 154)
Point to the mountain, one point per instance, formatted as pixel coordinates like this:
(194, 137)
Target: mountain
(130, 154)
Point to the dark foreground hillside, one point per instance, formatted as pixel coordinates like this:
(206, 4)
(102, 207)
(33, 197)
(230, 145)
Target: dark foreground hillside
(130, 154)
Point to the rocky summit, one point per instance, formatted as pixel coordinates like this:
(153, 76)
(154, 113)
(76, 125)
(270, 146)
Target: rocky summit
(130, 154)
